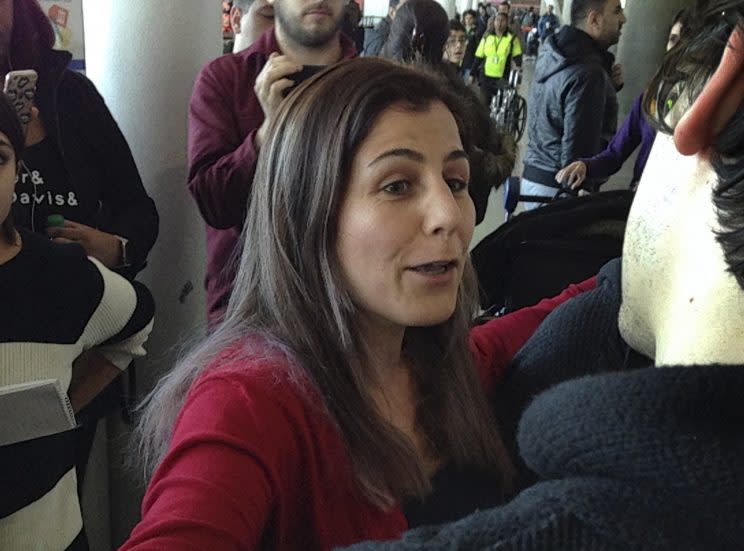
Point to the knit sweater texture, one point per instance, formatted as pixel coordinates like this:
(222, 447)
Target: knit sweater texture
(627, 456)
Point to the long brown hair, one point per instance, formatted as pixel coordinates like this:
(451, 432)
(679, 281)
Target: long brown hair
(289, 286)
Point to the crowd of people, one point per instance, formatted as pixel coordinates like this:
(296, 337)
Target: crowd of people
(343, 395)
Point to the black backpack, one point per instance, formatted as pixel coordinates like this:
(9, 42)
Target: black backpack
(538, 253)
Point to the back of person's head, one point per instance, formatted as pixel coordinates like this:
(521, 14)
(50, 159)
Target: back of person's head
(418, 33)
(32, 36)
(290, 286)
(10, 125)
(580, 10)
(681, 79)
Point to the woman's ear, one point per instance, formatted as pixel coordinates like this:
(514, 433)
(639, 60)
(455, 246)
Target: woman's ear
(718, 102)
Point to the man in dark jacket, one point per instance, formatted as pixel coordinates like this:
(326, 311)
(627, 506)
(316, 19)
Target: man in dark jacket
(548, 24)
(573, 102)
(382, 30)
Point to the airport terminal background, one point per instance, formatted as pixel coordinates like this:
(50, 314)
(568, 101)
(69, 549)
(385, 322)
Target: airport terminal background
(143, 56)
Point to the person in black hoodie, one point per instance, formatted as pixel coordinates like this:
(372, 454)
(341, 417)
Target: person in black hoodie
(643, 450)
(572, 106)
(77, 162)
(77, 165)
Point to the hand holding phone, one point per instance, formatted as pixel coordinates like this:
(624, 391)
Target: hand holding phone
(20, 88)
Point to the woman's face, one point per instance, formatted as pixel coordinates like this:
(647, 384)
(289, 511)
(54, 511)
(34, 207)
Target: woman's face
(674, 35)
(406, 220)
(8, 169)
(454, 49)
(501, 24)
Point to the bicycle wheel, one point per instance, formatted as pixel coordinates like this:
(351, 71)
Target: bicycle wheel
(519, 120)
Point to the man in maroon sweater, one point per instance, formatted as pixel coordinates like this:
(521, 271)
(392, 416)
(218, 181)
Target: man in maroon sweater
(233, 102)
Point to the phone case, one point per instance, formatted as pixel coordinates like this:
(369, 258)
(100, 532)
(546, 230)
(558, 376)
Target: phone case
(20, 88)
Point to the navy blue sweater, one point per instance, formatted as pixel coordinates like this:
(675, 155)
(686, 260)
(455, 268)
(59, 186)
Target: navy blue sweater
(642, 459)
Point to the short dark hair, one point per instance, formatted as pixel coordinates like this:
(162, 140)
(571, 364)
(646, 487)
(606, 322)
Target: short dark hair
(455, 25)
(699, 51)
(580, 9)
(10, 125)
(470, 12)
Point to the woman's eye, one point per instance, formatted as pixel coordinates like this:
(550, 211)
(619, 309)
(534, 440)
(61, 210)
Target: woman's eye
(396, 188)
(456, 184)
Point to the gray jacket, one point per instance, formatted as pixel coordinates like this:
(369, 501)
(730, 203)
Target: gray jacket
(572, 107)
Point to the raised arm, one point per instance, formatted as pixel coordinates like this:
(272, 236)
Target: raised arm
(625, 141)
(214, 488)
(495, 343)
(222, 162)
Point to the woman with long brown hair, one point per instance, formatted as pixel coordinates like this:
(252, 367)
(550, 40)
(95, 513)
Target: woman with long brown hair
(342, 398)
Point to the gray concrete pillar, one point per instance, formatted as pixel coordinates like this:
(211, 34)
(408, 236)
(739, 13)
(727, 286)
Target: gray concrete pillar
(450, 6)
(643, 42)
(143, 56)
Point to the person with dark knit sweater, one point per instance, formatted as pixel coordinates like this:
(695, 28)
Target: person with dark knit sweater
(57, 303)
(632, 392)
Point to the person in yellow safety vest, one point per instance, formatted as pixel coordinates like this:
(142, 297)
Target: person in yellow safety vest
(497, 50)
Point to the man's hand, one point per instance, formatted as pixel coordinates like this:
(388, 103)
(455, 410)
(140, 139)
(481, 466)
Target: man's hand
(617, 76)
(271, 83)
(573, 175)
(102, 246)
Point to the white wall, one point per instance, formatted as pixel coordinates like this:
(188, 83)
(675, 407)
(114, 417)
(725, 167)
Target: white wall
(144, 55)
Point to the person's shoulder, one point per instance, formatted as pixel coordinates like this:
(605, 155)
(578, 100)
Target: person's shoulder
(255, 368)
(75, 86)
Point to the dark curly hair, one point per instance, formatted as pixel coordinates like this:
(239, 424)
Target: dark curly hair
(685, 71)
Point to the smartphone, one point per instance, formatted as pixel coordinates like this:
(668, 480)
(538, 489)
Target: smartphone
(20, 88)
(302, 75)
